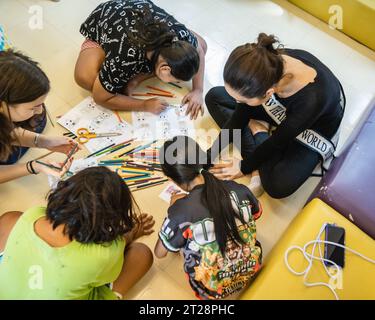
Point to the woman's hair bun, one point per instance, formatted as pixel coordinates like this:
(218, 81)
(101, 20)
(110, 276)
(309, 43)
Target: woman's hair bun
(266, 41)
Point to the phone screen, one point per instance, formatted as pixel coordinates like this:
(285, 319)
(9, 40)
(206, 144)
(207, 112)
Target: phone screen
(334, 253)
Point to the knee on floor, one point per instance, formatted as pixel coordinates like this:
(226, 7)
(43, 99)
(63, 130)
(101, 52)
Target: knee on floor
(143, 253)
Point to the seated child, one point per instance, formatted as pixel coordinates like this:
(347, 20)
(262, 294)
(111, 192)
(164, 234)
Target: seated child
(81, 246)
(214, 224)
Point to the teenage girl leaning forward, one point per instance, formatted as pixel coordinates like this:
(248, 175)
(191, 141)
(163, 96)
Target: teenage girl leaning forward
(130, 41)
(23, 91)
(294, 92)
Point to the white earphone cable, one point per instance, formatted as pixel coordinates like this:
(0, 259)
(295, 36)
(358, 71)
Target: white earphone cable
(310, 257)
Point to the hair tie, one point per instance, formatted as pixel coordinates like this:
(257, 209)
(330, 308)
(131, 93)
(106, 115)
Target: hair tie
(201, 170)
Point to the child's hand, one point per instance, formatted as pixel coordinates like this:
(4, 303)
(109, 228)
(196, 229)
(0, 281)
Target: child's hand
(176, 195)
(228, 171)
(58, 144)
(144, 227)
(194, 99)
(51, 171)
(155, 105)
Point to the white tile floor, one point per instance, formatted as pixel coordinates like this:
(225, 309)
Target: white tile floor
(224, 24)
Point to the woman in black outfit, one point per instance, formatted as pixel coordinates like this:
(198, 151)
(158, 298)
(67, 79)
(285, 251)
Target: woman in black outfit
(291, 90)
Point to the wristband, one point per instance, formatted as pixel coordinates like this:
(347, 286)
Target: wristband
(32, 168)
(28, 167)
(36, 139)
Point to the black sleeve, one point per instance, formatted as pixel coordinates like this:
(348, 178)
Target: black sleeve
(305, 113)
(111, 77)
(171, 232)
(248, 205)
(90, 28)
(185, 34)
(239, 120)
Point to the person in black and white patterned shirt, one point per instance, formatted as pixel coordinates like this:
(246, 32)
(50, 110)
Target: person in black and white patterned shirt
(128, 41)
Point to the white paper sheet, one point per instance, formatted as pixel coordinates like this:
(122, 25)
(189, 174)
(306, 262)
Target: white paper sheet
(168, 124)
(95, 118)
(80, 164)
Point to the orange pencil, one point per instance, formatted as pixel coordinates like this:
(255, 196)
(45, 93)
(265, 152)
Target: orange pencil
(140, 95)
(118, 116)
(157, 89)
(160, 95)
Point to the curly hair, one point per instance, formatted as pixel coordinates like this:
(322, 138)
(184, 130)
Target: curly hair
(94, 206)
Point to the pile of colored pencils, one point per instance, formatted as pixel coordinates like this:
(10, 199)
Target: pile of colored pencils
(138, 167)
(111, 149)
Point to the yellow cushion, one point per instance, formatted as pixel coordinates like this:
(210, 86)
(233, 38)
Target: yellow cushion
(275, 281)
(358, 16)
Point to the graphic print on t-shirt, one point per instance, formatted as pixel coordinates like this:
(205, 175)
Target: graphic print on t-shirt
(213, 275)
(109, 25)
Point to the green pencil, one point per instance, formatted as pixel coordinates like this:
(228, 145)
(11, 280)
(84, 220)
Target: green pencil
(48, 165)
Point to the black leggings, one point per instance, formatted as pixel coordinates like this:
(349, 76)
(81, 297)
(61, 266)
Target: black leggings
(283, 173)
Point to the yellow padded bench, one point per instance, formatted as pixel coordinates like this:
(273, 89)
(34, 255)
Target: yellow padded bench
(275, 281)
(358, 16)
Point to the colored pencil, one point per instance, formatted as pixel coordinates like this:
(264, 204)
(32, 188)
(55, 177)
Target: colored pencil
(69, 134)
(133, 171)
(136, 172)
(70, 155)
(175, 85)
(147, 185)
(160, 95)
(135, 178)
(137, 149)
(118, 116)
(151, 168)
(112, 161)
(134, 183)
(48, 165)
(119, 148)
(136, 168)
(111, 149)
(96, 152)
(158, 89)
(109, 164)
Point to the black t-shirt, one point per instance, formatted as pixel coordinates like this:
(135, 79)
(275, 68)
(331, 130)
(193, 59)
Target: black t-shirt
(189, 226)
(109, 25)
(316, 106)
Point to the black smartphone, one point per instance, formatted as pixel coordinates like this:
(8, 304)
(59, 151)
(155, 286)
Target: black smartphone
(335, 234)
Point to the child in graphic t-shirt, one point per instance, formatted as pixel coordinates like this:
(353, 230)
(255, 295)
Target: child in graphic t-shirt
(214, 224)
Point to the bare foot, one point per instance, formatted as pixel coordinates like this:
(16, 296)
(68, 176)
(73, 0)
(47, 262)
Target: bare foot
(257, 126)
(255, 185)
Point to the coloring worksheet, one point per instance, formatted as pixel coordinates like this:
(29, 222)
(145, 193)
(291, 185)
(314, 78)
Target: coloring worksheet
(171, 122)
(169, 190)
(96, 119)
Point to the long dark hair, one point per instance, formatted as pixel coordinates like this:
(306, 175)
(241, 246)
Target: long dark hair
(254, 68)
(21, 81)
(183, 160)
(152, 35)
(95, 206)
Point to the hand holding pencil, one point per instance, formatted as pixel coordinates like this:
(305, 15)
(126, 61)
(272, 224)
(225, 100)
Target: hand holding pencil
(155, 105)
(52, 168)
